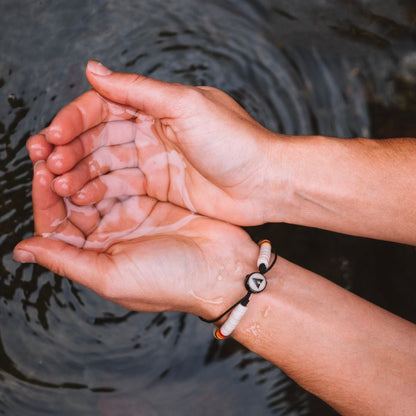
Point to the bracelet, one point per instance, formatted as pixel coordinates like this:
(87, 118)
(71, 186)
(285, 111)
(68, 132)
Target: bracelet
(254, 283)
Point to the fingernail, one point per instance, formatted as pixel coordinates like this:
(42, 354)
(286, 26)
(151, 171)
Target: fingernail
(60, 186)
(23, 256)
(98, 68)
(56, 160)
(53, 133)
(53, 184)
(39, 162)
(81, 195)
(36, 165)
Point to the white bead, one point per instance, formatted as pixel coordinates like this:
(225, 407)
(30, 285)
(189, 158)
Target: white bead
(233, 320)
(265, 253)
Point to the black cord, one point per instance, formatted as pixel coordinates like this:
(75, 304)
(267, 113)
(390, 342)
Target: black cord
(244, 300)
(273, 262)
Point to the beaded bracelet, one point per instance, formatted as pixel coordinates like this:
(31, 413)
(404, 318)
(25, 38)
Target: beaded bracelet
(254, 283)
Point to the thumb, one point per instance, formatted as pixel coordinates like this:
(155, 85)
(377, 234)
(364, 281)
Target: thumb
(80, 265)
(154, 97)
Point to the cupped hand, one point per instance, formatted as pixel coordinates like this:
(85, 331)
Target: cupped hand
(192, 146)
(139, 252)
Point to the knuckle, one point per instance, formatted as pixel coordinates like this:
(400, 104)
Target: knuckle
(208, 89)
(134, 81)
(191, 95)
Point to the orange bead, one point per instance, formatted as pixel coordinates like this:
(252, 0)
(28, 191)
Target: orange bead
(218, 335)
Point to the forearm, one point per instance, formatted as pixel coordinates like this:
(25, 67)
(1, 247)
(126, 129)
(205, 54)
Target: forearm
(360, 187)
(357, 357)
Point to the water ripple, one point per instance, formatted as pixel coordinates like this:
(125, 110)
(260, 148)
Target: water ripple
(299, 68)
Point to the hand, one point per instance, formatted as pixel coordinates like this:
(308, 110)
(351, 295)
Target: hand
(141, 253)
(192, 146)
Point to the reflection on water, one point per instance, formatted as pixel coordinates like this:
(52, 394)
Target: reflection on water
(328, 67)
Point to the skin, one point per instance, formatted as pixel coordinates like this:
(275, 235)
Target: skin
(236, 170)
(354, 355)
(170, 259)
(357, 357)
(360, 187)
(217, 169)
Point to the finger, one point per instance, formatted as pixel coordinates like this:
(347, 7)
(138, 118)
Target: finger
(49, 209)
(87, 111)
(100, 162)
(82, 266)
(65, 157)
(124, 182)
(157, 98)
(123, 221)
(38, 148)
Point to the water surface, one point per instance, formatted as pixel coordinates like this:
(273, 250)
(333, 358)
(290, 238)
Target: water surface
(318, 67)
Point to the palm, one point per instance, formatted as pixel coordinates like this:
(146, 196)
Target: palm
(142, 253)
(185, 159)
(172, 259)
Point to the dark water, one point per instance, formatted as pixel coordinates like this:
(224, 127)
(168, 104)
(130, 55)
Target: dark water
(333, 67)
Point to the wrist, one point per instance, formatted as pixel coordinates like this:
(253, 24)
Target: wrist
(255, 326)
(278, 188)
(300, 177)
(255, 283)
(226, 285)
